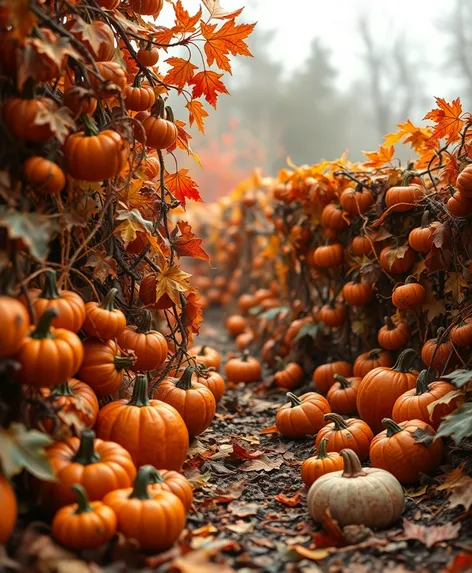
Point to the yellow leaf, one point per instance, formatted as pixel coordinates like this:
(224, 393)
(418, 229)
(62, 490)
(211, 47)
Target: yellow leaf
(172, 280)
(454, 285)
(312, 554)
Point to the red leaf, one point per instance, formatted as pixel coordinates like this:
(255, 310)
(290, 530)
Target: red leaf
(182, 186)
(208, 84)
(180, 72)
(269, 430)
(462, 563)
(187, 244)
(290, 501)
(241, 452)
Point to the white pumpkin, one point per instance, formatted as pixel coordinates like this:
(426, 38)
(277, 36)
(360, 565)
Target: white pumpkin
(357, 495)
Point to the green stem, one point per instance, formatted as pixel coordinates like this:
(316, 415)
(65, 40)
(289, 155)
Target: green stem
(245, 356)
(108, 302)
(425, 219)
(404, 361)
(169, 114)
(63, 390)
(122, 362)
(156, 477)
(203, 350)
(389, 323)
(391, 427)
(145, 476)
(343, 382)
(43, 328)
(339, 423)
(295, 400)
(50, 291)
(185, 382)
(140, 392)
(422, 385)
(375, 353)
(91, 128)
(279, 363)
(410, 280)
(86, 453)
(145, 326)
(322, 453)
(83, 505)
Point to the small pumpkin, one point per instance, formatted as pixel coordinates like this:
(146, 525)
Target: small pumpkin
(176, 483)
(149, 346)
(20, 116)
(414, 404)
(44, 175)
(154, 519)
(104, 321)
(103, 366)
(438, 352)
(9, 509)
(459, 205)
(333, 314)
(421, 238)
(15, 325)
(398, 450)
(235, 324)
(393, 336)
(464, 181)
(323, 376)
(461, 333)
(357, 293)
(100, 466)
(369, 360)
(48, 355)
(409, 295)
(80, 100)
(380, 388)
(147, 7)
(207, 356)
(356, 201)
(114, 77)
(332, 216)
(193, 401)
(397, 260)
(243, 369)
(162, 438)
(84, 525)
(401, 199)
(147, 56)
(212, 380)
(302, 416)
(362, 246)
(351, 433)
(328, 256)
(139, 98)
(324, 463)
(343, 393)
(357, 496)
(244, 339)
(289, 375)
(158, 131)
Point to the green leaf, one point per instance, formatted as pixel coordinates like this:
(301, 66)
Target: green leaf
(255, 310)
(25, 449)
(310, 329)
(457, 425)
(423, 436)
(459, 377)
(34, 229)
(273, 312)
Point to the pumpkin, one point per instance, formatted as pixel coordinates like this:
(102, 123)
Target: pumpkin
(109, 4)
(461, 333)
(99, 466)
(102, 47)
(104, 321)
(357, 496)
(243, 369)
(332, 216)
(103, 366)
(147, 7)
(397, 260)
(244, 340)
(289, 376)
(84, 525)
(328, 256)
(351, 433)
(169, 480)
(236, 324)
(245, 302)
(438, 352)
(147, 293)
(149, 346)
(48, 355)
(43, 175)
(152, 431)
(206, 356)
(380, 388)
(324, 463)
(139, 98)
(114, 80)
(415, 404)
(15, 325)
(69, 305)
(212, 380)
(369, 360)
(357, 293)
(361, 246)
(147, 56)
(20, 116)
(343, 393)
(295, 328)
(356, 201)
(421, 238)
(302, 416)
(157, 131)
(459, 205)
(193, 401)
(155, 520)
(398, 450)
(9, 509)
(323, 376)
(401, 199)
(393, 336)
(80, 101)
(409, 295)
(333, 315)
(464, 181)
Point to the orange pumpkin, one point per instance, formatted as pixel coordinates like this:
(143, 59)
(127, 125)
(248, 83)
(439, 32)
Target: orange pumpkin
(464, 181)
(157, 131)
(9, 509)
(362, 246)
(15, 325)
(421, 238)
(461, 333)
(139, 98)
(328, 256)
(409, 295)
(20, 116)
(243, 369)
(343, 394)
(401, 199)
(114, 77)
(104, 321)
(147, 7)
(357, 293)
(302, 416)
(147, 56)
(212, 380)
(43, 175)
(323, 376)
(289, 376)
(169, 480)
(236, 324)
(356, 201)
(393, 336)
(369, 360)
(352, 433)
(438, 352)
(397, 260)
(324, 463)
(459, 205)
(206, 356)
(333, 217)
(333, 315)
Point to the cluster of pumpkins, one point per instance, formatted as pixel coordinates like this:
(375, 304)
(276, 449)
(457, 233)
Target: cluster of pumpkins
(99, 489)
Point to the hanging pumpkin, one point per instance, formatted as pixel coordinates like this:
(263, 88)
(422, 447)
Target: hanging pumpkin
(343, 394)
(328, 256)
(369, 360)
(332, 216)
(362, 246)
(323, 376)
(356, 201)
(169, 480)
(147, 7)
(302, 416)
(43, 175)
(147, 56)
(333, 315)
(397, 260)
(324, 463)
(139, 98)
(243, 369)
(114, 80)
(461, 333)
(393, 336)
(20, 117)
(104, 321)
(409, 295)
(158, 128)
(351, 433)
(212, 380)
(15, 325)
(421, 238)
(357, 293)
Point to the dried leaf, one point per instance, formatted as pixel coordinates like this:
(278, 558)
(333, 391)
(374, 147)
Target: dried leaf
(261, 464)
(241, 527)
(455, 478)
(312, 554)
(187, 244)
(103, 266)
(458, 377)
(173, 281)
(424, 436)
(217, 11)
(229, 39)
(291, 501)
(456, 395)
(430, 535)
(60, 121)
(131, 222)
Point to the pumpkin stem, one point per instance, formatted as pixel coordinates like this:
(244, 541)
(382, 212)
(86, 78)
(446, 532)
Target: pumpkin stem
(145, 325)
(145, 476)
(425, 219)
(140, 392)
(404, 361)
(245, 356)
(90, 126)
(122, 362)
(43, 328)
(440, 332)
(158, 109)
(322, 453)
(389, 323)
(156, 477)
(83, 505)
(352, 464)
(62, 390)
(279, 363)
(50, 286)
(391, 427)
(339, 422)
(422, 384)
(203, 350)
(108, 302)
(295, 400)
(375, 353)
(185, 382)
(169, 114)
(408, 176)
(86, 453)
(343, 382)
(410, 280)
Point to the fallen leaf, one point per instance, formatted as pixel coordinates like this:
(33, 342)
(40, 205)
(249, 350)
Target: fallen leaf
(416, 492)
(456, 395)
(424, 436)
(312, 554)
(429, 535)
(461, 496)
(103, 266)
(243, 509)
(240, 526)
(292, 501)
(232, 492)
(454, 479)
(205, 530)
(261, 464)
(131, 222)
(241, 452)
(199, 561)
(269, 430)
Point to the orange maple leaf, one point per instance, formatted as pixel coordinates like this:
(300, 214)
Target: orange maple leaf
(197, 113)
(428, 154)
(379, 158)
(451, 169)
(180, 73)
(164, 36)
(229, 39)
(447, 119)
(182, 186)
(208, 84)
(187, 244)
(409, 133)
(183, 21)
(192, 313)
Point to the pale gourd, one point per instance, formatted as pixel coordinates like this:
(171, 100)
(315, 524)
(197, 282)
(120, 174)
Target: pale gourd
(357, 495)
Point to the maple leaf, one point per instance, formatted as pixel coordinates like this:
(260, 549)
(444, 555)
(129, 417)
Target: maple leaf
(173, 281)
(197, 113)
(451, 169)
(458, 425)
(424, 436)
(182, 186)
(192, 313)
(183, 21)
(60, 121)
(455, 283)
(92, 36)
(103, 266)
(164, 36)
(455, 395)
(429, 536)
(447, 119)
(229, 39)
(458, 377)
(131, 222)
(455, 478)
(217, 11)
(261, 464)
(208, 84)
(180, 73)
(379, 158)
(187, 244)
(409, 133)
